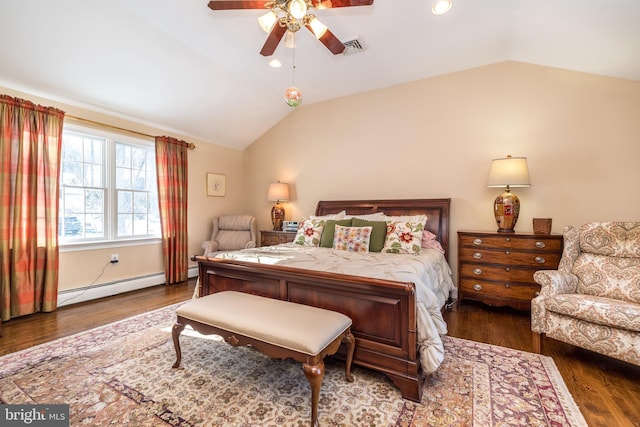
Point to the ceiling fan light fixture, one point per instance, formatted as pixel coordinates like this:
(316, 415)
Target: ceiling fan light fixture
(441, 7)
(267, 21)
(297, 8)
(317, 27)
(290, 39)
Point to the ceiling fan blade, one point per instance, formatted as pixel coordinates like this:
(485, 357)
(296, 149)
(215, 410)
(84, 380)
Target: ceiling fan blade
(231, 4)
(273, 40)
(329, 40)
(329, 4)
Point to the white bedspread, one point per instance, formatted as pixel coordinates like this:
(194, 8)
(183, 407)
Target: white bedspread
(429, 271)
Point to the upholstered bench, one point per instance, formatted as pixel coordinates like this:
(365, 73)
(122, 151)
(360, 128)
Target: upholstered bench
(279, 329)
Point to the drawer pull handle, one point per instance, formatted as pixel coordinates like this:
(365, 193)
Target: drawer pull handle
(507, 269)
(508, 239)
(477, 241)
(507, 285)
(540, 245)
(507, 252)
(540, 260)
(477, 287)
(477, 255)
(477, 271)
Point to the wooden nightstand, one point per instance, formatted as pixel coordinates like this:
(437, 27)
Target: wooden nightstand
(269, 238)
(497, 268)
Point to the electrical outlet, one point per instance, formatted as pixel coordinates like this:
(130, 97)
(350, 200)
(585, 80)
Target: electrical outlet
(115, 258)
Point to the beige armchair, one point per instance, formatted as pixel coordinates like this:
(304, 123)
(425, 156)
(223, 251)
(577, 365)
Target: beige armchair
(593, 299)
(231, 232)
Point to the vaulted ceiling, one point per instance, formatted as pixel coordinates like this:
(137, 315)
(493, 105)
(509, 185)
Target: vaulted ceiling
(180, 66)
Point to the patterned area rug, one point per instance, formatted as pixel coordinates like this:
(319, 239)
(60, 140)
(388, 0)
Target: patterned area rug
(121, 374)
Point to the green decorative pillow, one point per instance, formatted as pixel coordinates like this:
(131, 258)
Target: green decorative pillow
(378, 233)
(326, 241)
(352, 239)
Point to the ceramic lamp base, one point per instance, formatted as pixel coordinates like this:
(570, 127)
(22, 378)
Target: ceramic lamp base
(506, 208)
(277, 216)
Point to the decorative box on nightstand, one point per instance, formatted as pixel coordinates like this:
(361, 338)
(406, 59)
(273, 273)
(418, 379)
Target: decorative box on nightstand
(269, 238)
(497, 268)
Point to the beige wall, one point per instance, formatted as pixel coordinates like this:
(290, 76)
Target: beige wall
(81, 268)
(436, 138)
(430, 138)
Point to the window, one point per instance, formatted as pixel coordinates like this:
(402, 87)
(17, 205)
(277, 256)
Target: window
(108, 189)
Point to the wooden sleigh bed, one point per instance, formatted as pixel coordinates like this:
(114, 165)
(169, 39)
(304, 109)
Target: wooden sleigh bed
(383, 312)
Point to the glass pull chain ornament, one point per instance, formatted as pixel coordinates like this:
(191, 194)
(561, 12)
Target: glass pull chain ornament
(293, 96)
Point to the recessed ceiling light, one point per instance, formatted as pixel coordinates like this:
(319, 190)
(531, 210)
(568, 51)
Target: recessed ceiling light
(275, 63)
(441, 7)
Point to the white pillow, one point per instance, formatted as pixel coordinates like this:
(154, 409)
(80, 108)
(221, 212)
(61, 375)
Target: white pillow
(337, 216)
(408, 218)
(378, 216)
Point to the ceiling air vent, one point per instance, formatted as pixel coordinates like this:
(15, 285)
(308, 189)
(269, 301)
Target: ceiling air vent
(352, 46)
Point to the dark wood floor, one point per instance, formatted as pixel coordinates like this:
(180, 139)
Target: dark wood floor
(606, 390)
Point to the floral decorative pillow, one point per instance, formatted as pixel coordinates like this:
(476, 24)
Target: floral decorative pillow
(403, 236)
(352, 239)
(309, 232)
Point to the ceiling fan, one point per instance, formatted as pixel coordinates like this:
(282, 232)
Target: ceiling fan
(291, 15)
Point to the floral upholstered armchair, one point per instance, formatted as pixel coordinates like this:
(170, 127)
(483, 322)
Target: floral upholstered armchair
(231, 232)
(593, 299)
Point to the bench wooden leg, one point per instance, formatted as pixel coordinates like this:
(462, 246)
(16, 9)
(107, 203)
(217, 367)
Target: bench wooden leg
(175, 334)
(314, 374)
(350, 341)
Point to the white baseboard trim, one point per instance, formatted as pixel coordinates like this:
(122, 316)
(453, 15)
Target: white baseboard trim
(76, 295)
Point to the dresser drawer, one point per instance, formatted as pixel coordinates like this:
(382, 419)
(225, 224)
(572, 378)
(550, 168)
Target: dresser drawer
(505, 273)
(510, 258)
(529, 242)
(476, 289)
(270, 238)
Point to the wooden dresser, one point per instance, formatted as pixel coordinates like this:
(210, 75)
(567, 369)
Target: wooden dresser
(269, 238)
(497, 268)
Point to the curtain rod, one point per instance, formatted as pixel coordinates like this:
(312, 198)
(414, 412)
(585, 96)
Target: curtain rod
(191, 145)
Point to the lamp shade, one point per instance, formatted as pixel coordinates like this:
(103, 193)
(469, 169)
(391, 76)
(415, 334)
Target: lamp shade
(278, 192)
(267, 21)
(509, 172)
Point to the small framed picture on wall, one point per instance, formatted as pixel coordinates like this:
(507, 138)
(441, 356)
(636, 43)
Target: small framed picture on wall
(216, 185)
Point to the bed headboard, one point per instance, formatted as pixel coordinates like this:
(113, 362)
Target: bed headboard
(436, 210)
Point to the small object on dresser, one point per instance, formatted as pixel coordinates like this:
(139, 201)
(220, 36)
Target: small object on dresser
(290, 226)
(542, 225)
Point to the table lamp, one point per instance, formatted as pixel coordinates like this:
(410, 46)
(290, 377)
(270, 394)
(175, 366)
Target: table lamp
(508, 172)
(278, 192)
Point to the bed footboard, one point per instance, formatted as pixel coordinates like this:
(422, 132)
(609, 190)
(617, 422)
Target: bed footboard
(383, 312)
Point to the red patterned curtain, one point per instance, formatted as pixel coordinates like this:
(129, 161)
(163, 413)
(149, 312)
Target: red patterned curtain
(171, 164)
(30, 145)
